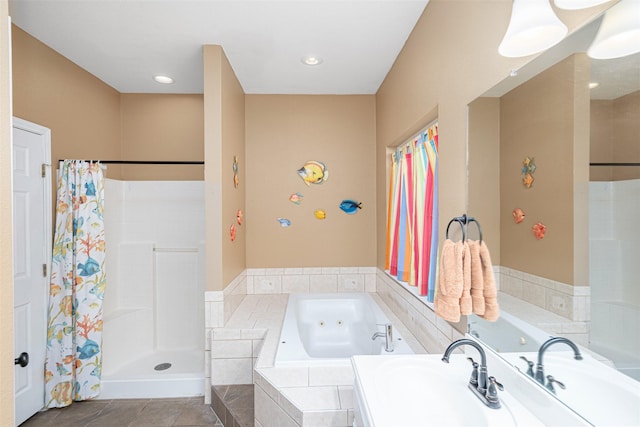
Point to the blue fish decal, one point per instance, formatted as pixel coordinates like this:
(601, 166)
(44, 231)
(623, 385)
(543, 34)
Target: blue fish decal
(350, 206)
(284, 222)
(89, 268)
(89, 349)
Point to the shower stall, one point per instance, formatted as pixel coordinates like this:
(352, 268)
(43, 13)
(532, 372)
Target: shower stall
(153, 333)
(614, 244)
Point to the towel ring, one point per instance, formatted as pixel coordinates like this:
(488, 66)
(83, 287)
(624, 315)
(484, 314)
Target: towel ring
(477, 225)
(462, 227)
(464, 221)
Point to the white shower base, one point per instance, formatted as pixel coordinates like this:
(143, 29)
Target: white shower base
(139, 379)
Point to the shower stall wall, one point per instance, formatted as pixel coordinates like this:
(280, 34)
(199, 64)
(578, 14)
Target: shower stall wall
(614, 239)
(153, 337)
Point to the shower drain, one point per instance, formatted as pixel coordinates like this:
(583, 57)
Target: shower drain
(162, 366)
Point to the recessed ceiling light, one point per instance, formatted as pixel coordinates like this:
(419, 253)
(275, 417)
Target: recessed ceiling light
(163, 79)
(312, 60)
(593, 85)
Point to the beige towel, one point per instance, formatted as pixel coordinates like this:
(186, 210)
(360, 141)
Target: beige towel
(450, 281)
(466, 305)
(492, 310)
(477, 281)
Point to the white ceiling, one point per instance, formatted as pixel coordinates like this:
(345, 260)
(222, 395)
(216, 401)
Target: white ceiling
(125, 42)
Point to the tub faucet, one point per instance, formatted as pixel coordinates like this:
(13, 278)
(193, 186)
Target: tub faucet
(388, 337)
(548, 343)
(487, 393)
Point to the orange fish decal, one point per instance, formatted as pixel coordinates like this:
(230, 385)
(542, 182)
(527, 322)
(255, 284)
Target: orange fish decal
(518, 215)
(539, 230)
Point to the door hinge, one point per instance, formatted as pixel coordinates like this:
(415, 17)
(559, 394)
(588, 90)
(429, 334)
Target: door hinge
(44, 170)
(44, 270)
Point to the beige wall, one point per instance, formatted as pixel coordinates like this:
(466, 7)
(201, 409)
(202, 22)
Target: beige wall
(162, 127)
(91, 120)
(626, 145)
(615, 129)
(285, 131)
(224, 124)
(539, 119)
(82, 112)
(6, 229)
(601, 137)
(233, 145)
(484, 170)
(450, 59)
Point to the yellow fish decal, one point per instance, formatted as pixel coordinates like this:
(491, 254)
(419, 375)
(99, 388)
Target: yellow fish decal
(313, 172)
(320, 214)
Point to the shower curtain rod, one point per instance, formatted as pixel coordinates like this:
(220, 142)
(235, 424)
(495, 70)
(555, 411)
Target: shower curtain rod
(148, 162)
(614, 164)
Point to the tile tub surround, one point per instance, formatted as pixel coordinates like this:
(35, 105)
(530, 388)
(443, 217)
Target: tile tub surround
(547, 321)
(432, 332)
(218, 308)
(243, 351)
(308, 396)
(570, 302)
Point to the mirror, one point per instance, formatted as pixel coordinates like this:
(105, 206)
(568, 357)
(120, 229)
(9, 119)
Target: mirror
(578, 281)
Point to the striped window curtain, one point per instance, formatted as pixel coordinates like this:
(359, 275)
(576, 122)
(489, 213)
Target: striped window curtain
(412, 212)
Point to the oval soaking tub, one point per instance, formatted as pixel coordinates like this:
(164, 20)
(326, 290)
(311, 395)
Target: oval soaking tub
(322, 329)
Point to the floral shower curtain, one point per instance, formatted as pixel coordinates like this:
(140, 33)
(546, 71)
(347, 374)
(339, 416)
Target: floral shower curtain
(412, 213)
(74, 335)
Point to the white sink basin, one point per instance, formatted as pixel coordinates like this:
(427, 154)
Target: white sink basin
(421, 390)
(602, 395)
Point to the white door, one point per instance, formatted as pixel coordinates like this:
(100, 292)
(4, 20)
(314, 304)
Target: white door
(31, 249)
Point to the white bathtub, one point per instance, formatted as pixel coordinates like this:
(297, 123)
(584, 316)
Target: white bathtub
(508, 334)
(327, 329)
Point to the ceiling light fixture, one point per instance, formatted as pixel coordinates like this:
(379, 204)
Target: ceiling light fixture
(593, 85)
(163, 79)
(312, 60)
(578, 4)
(619, 32)
(533, 28)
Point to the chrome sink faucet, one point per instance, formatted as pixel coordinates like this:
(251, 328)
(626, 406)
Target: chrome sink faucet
(388, 337)
(540, 377)
(483, 386)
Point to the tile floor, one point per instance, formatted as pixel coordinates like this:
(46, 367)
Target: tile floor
(129, 413)
(233, 404)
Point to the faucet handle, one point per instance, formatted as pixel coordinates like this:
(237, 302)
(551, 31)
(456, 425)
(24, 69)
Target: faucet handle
(530, 366)
(492, 391)
(474, 374)
(550, 381)
(495, 383)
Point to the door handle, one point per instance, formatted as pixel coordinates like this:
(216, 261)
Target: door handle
(22, 360)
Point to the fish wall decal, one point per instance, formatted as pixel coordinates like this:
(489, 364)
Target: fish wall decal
(296, 198)
(313, 172)
(350, 206)
(284, 222)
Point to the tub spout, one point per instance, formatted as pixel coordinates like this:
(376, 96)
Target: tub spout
(388, 337)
